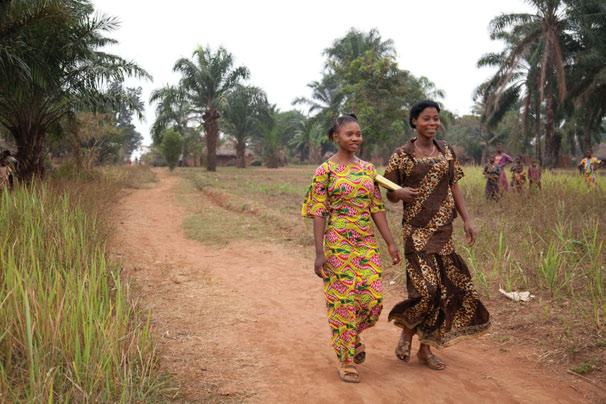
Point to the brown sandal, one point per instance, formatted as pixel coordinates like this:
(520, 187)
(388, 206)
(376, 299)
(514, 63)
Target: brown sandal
(349, 374)
(360, 355)
(404, 345)
(431, 361)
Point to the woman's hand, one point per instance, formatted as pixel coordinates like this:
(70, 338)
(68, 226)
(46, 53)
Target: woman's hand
(395, 253)
(470, 232)
(406, 194)
(319, 265)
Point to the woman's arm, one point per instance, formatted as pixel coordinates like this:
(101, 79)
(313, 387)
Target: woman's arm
(381, 222)
(319, 227)
(470, 230)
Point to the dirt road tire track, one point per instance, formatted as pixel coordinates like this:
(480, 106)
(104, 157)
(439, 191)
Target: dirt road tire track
(246, 322)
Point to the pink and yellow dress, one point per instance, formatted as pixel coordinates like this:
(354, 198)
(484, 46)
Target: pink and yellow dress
(347, 195)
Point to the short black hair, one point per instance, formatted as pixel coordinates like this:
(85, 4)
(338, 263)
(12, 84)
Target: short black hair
(340, 121)
(419, 107)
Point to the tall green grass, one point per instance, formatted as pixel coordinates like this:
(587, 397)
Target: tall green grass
(68, 330)
(550, 242)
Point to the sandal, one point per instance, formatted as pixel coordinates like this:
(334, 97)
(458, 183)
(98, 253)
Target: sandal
(404, 345)
(349, 374)
(431, 361)
(360, 355)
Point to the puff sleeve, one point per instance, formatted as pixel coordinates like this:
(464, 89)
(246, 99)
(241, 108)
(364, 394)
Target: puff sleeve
(316, 198)
(376, 201)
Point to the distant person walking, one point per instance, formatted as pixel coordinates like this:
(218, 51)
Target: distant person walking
(502, 159)
(442, 305)
(492, 172)
(534, 176)
(518, 176)
(7, 170)
(587, 167)
(344, 194)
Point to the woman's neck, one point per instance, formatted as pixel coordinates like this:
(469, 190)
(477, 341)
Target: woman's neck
(344, 156)
(423, 141)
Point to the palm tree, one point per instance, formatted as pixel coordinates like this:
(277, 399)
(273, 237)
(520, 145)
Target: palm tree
(67, 71)
(588, 75)
(173, 110)
(538, 39)
(207, 79)
(326, 100)
(355, 44)
(245, 108)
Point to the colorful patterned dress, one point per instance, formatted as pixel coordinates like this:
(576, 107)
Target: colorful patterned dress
(347, 195)
(518, 177)
(502, 160)
(587, 166)
(492, 173)
(442, 304)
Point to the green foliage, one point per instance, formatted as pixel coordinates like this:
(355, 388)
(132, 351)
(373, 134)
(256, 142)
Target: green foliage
(362, 76)
(244, 112)
(551, 74)
(61, 68)
(172, 143)
(278, 129)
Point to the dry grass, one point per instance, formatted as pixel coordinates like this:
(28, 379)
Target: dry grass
(69, 331)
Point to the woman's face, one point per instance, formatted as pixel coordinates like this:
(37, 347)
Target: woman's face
(349, 137)
(428, 122)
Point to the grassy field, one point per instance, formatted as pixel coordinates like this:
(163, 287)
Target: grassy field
(69, 331)
(550, 243)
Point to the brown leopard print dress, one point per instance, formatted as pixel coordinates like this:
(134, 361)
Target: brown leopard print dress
(442, 305)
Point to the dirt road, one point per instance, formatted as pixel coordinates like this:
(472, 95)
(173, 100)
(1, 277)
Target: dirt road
(246, 322)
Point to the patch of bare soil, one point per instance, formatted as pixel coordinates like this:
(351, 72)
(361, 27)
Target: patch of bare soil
(246, 322)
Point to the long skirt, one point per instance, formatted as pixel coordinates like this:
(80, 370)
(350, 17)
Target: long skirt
(442, 305)
(503, 183)
(492, 189)
(354, 298)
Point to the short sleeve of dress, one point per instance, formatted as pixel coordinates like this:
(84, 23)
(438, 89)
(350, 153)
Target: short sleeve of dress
(458, 170)
(316, 198)
(393, 171)
(376, 201)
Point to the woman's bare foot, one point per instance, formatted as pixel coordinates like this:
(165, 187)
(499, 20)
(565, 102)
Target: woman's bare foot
(404, 345)
(429, 359)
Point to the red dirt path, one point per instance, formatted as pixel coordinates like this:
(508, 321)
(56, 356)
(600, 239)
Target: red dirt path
(246, 322)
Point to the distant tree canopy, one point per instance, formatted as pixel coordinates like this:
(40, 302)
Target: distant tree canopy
(361, 75)
(551, 75)
(53, 66)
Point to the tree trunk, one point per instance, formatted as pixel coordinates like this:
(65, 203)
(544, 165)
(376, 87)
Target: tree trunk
(538, 149)
(550, 140)
(30, 152)
(211, 127)
(586, 137)
(240, 154)
(315, 154)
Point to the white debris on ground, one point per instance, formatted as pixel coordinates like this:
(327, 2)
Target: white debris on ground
(517, 296)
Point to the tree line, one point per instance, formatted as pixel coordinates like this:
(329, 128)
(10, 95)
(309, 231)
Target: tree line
(548, 95)
(360, 75)
(62, 92)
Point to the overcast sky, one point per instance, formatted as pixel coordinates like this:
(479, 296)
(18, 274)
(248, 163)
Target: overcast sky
(281, 42)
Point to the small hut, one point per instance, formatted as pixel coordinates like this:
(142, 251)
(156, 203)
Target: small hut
(226, 154)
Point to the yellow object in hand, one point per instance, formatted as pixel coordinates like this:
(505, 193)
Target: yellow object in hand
(385, 183)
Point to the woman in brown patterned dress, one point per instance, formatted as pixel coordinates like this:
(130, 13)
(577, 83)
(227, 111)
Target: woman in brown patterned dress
(442, 304)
